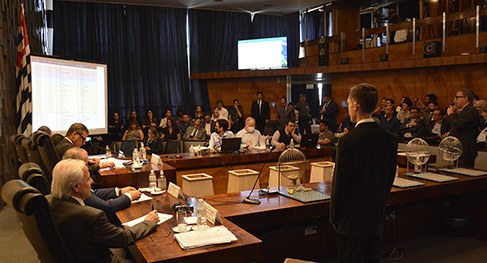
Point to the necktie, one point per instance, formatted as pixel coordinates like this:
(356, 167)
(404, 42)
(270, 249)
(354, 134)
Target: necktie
(260, 107)
(193, 133)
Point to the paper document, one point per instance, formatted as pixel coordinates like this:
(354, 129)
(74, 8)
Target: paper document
(143, 197)
(206, 237)
(162, 218)
(118, 162)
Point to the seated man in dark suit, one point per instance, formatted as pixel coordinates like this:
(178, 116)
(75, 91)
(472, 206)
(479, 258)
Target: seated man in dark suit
(76, 137)
(196, 132)
(86, 230)
(412, 126)
(282, 137)
(110, 200)
(389, 122)
(437, 128)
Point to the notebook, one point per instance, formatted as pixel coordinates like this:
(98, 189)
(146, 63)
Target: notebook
(230, 145)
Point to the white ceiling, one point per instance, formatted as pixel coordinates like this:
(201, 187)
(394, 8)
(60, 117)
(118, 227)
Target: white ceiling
(276, 7)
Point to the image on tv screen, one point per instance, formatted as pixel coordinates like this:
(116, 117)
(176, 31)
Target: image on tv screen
(262, 53)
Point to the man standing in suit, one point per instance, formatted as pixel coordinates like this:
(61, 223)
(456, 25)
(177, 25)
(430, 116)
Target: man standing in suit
(285, 112)
(87, 232)
(328, 112)
(304, 115)
(364, 172)
(464, 121)
(260, 112)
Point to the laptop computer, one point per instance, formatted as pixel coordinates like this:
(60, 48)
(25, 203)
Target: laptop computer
(230, 145)
(128, 147)
(309, 140)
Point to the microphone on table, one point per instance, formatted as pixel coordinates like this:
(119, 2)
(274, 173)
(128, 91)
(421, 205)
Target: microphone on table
(249, 200)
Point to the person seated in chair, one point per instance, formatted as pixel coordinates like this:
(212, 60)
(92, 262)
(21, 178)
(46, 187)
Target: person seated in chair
(134, 133)
(412, 126)
(88, 234)
(153, 143)
(251, 137)
(196, 132)
(282, 137)
(221, 131)
(437, 128)
(325, 137)
(110, 200)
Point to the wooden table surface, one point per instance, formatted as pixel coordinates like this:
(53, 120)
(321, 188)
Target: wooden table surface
(120, 177)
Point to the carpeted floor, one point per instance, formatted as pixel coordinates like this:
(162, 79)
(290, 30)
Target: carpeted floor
(15, 248)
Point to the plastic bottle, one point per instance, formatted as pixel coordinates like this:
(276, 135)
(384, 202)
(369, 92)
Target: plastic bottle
(191, 151)
(201, 214)
(152, 180)
(108, 152)
(161, 181)
(143, 152)
(135, 157)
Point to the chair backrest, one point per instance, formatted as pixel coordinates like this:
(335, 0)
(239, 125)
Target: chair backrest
(174, 146)
(16, 139)
(187, 144)
(34, 214)
(47, 152)
(128, 147)
(32, 174)
(33, 152)
(56, 138)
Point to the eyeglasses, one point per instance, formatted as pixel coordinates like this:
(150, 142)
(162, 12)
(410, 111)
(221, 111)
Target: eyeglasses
(81, 135)
(458, 97)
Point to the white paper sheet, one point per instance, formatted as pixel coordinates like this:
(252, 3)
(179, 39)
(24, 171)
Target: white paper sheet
(162, 218)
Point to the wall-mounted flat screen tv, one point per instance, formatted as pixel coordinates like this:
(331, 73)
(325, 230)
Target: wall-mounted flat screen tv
(262, 53)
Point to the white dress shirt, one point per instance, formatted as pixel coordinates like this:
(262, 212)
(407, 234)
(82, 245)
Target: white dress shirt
(255, 138)
(216, 139)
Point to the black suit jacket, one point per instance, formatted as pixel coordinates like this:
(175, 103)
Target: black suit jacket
(88, 233)
(415, 131)
(107, 200)
(264, 111)
(63, 146)
(364, 171)
(465, 127)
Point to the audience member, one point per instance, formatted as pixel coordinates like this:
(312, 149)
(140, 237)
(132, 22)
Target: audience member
(221, 131)
(171, 132)
(133, 117)
(389, 122)
(260, 111)
(404, 99)
(251, 137)
(198, 113)
(196, 132)
(325, 137)
(346, 126)
(481, 105)
(116, 127)
(328, 112)
(86, 231)
(149, 121)
(185, 123)
(285, 112)
(223, 112)
(423, 104)
(282, 137)
(236, 116)
(464, 121)
(404, 113)
(482, 138)
(428, 112)
(412, 126)
(437, 128)
(167, 116)
(209, 124)
(179, 115)
(133, 133)
(153, 142)
(304, 116)
(379, 110)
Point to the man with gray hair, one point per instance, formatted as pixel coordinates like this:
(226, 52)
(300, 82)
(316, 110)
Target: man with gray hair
(87, 232)
(251, 137)
(109, 200)
(464, 121)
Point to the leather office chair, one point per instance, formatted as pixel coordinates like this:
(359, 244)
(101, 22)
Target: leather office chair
(33, 152)
(56, 138)
(47, 152)
(33, 212)
(32, 174)
(21, 152)
(174, 146)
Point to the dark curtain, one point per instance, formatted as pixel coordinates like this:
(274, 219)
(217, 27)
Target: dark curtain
(276, 26)
(314, 25)
(144, 48)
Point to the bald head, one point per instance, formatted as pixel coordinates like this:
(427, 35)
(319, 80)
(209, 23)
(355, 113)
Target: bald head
(76, 153)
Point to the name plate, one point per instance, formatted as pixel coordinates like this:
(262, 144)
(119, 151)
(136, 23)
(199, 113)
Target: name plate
(174, 190)
(212, 214)
(155, 159)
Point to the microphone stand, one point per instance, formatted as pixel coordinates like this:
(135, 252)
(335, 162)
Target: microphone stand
(249, 200)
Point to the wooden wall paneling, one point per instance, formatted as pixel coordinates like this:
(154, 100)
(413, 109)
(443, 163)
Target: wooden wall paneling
(245, 89)
(346, 18)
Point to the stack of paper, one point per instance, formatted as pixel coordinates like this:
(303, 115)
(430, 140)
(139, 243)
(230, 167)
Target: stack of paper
(206, 237)
(162, 218)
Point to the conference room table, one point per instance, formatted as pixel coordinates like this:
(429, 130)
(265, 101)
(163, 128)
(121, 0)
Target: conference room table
(214, 164)
(289, 228)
